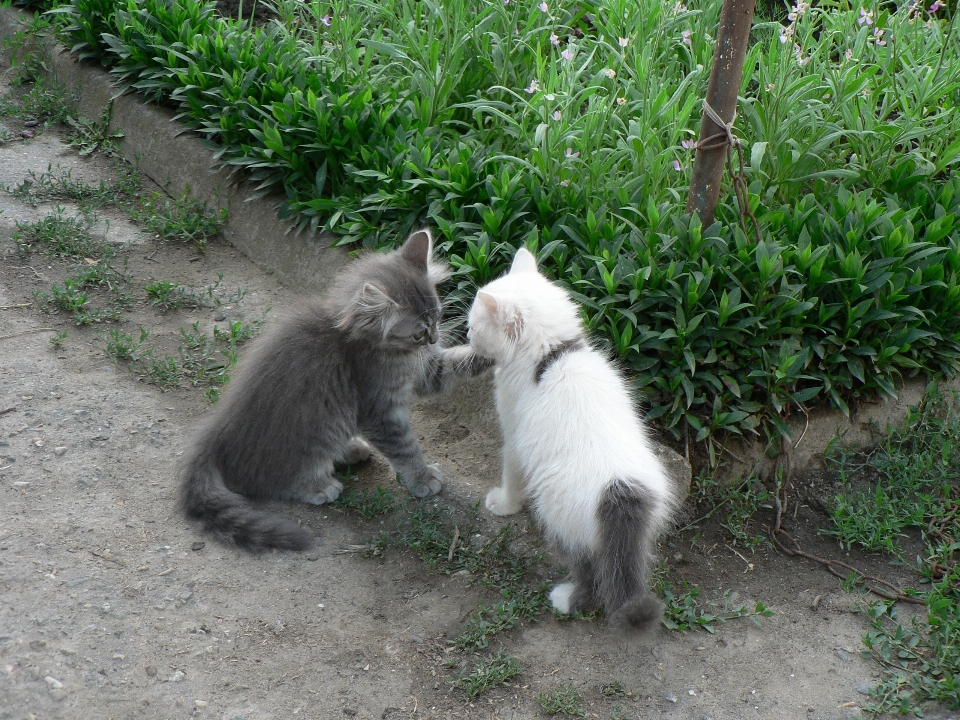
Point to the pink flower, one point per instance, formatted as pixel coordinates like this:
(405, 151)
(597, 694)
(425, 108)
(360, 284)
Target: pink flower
(569, 153)
(936, 6)
(567, 54)
(866, 17)
(678, 167)
(558, 116)
(688, 144)
(878, 36)
(685, 36)
(534, 87)
(543, 7)
(326, 19)
(554, 40)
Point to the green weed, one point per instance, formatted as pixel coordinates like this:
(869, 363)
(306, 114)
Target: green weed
(565, 700)
(616, 690)
(59, 184)
(911, 479)
(682, 611)
(58, 235)
(163, 373)
(122, 346)
(488, 673)
(182, 220)
(517, 605)
(367, 504)
(736, 504)
(59, 340)
(88, 136)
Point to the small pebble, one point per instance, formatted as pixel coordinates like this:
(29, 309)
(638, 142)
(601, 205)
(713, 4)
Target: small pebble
(59, 450)
(199, 545)
(200, 703)
(176, 677)
(670, 697)
(58, 694)
(864, 688)
(842, 655)
(53, 682)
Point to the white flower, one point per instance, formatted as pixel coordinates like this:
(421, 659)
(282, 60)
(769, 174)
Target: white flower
(770, 87)
(878, 36)
(557, 115)
(610, 73)
(550, 96)
(848, 54)
(623, 42)
(567, 54)
(786, 34)
(554, 40)
(544, 7)
(571, 154)
(866, 17)
(534, 87)
(621, 101)
(685, 36)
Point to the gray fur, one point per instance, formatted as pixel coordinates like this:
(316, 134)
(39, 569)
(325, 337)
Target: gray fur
(617, 575)
(336, 370)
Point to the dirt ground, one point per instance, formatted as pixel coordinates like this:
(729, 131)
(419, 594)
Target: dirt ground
(112, 606)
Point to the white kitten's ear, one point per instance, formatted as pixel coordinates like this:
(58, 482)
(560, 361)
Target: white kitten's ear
(523, 261)
(504, 314)
(418, 248)
(372, 312)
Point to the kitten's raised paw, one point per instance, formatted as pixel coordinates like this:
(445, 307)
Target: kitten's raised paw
(561, 595)
(357, 451)
(500, 504)
(330, 492)
(429, 484)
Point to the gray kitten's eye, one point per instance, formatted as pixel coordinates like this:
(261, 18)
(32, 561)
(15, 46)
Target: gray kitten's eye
(420, 335)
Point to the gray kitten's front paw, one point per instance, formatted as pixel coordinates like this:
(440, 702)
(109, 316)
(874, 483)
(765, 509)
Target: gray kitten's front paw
(427, 484)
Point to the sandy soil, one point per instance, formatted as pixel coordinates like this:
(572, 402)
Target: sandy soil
(112, 606)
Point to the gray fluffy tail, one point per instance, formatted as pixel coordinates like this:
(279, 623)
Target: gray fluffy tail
(629, 525)
(230, 516)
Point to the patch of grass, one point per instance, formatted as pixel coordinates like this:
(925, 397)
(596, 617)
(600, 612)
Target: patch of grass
(88, 136)
(367, 504)
(528, 604)
(564, 700)
(616, 690)
(44, 102)
(59, 235)
(182, 220)
(912, 478)
(168, 295)
(683, 611)
(59, 184)
(487, 673)
(737, 504)
(921, 658)
(912, 481)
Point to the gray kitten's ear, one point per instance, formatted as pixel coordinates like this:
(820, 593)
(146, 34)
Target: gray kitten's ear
(523, 261)
(418, 248)
(372, 312)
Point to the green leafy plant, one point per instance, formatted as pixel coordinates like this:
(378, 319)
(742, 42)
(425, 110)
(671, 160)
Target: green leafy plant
(59, 340)
(682, 611)
(504, 124)
(367, 504)
(88, 136)
(122, 346)
(58, 234)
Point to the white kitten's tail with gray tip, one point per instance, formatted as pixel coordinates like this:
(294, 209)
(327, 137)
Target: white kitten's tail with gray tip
(230, 517)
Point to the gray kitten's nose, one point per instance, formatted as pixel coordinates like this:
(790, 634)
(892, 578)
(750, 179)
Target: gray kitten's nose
(434, 334)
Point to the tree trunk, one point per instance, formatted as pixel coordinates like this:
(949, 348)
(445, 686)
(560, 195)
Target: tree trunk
(736, 20)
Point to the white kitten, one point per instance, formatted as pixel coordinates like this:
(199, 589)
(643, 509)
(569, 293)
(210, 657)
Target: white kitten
(573, 445)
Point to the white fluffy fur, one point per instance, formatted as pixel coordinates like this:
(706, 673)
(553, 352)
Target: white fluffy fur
(568, 437)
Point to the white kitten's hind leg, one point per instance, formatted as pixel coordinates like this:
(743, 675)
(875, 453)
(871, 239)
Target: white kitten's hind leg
(508, 498)
(561, 595)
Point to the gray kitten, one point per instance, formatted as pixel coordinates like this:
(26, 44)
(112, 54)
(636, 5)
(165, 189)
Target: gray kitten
(339, 371)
